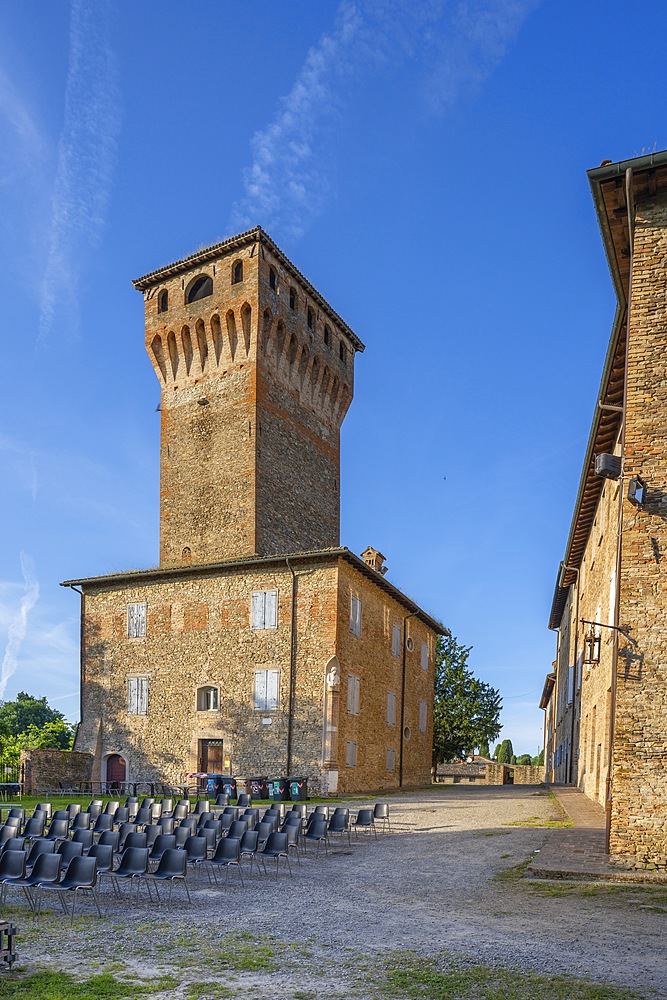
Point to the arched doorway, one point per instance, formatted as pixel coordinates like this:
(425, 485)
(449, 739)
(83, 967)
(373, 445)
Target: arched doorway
(116, 770)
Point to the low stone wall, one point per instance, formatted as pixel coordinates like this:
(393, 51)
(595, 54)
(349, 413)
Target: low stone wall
(42, 770)
(524, 774)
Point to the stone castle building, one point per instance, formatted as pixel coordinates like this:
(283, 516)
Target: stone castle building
(259, 646)
(606, 697)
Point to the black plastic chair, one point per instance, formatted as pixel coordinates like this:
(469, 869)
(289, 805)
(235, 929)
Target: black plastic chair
(196, 849)
(73, 809)
(13, 844)
(134, 839)
(134, 862)
(109, 838)
(216, 825)
(146, 803)
(365, 821)
(316, 833)
(81, 877)
(68, 850)
(45, 870)
(173, 865)
(39, 847)
(103, 854)
(276, 847)
(189, 823)
(142, 816)
(237, 829)
(249, 846)
(44, 807)
(167, 807)
(84, 837)
(182, 833)
(339, 824)
(231, 811)
(121, 815)
(12, 868)
(210, 836)
(12, 823)
(124, 830)
(222, 799)
(103, 822)
(227, 855)
(225, 822)
(203, 805)
(62, 814)
(111, 806)
(17, 812)
(34, 828)
(94, 809)
(163, 842)
(81, 821)
(152, 831)
(181, 811)
(381, 812)
(156, 811)
(166, 823)
(293, 839)
(204, 817)
(322, 811)
(58, 830)
(244, 800)
(264, 831)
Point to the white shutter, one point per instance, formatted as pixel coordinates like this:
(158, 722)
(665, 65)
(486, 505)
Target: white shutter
(351, 753)
(136, 621)
(612, 598)
(132, 697)
(422, 716)
(391, 759)
(271, 609)
(142, 695)
(570, 684)
(424, 656)
(272, 689)
(355, 615)
(260, 689)
(358, 618)
(391, 708)
(353, 694)
(395, 640)
(257, 612)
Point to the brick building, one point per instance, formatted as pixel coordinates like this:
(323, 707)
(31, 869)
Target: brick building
(606, 696)
(260, 645)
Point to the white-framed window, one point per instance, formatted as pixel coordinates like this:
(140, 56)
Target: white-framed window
(265, 696)
(570, 684)
(353, 694)
(355, 615)
(264, 609)
(136, 620)
(391, 758)
(207, 699)
(350, 754)
(137, 695)
(424, 656)
(391, 708)
(395, 640)
(422, 716)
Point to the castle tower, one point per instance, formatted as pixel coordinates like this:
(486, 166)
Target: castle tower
(257, 374)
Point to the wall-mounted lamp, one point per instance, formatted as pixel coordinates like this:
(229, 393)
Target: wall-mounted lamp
(637, 491)
(592, 646)
(608, 466)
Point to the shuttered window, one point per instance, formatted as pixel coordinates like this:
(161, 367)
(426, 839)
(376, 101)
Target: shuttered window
(264, 610)
(396, 640)
(355, 615)
(137, 695)
(391, 759)
(136, 621)
(422, 716)
(266, 690)
(351, 753)
(353, 694)
(391, 708)
(424, 656)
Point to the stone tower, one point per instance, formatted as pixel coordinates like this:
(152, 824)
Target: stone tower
(257, 374)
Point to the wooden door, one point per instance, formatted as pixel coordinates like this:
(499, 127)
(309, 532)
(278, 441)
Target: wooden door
(211, 758)
(116, 769)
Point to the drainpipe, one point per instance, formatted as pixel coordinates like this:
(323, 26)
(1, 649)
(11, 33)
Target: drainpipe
(630, 205)
(400, 753)
(292, 671)
(574, 692)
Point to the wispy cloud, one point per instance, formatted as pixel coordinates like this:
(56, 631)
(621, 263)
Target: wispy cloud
(18, 623)
(26, 146)
(86, 159)
(458, 43)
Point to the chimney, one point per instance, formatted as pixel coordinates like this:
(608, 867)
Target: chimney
(374, 559)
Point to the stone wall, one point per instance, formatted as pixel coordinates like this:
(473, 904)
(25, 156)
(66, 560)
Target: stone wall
(44, 770)
(524, 774)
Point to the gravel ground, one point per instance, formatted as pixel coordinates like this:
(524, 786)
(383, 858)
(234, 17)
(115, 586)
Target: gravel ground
(429, 886)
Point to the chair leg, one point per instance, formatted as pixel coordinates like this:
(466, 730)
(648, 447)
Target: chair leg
(185, 883)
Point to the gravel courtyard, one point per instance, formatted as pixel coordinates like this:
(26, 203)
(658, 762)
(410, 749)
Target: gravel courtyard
(441, 882)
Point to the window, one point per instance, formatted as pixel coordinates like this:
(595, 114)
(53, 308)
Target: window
(391, 708)
(310, 317)
(353, 694)
(391, 759)
(570, 684)
(424, 656)
(237, 272)
(422, 716)
(136, 621)
(264, 612)
(207, 699)
(327, 336)
(342, 352)
(163, 301)
(395, 640)
(355, 615)
(272, 279)
(292, 298)
(350, 754)
(137, 695)
(200, 288)
(266, 690)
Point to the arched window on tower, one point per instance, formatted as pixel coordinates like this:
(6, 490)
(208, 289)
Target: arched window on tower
(200, 288)
(272, 279)
(292, 298)
(310, 316)
(163, 301)
(237, 272)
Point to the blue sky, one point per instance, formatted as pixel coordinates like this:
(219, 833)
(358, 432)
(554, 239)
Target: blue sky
(423, 163)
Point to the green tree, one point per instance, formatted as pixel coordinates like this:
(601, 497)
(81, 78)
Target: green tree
(17, 716)
(484, 750)
(539, 760)
(505, 753)
(524, 758)
(466, 710)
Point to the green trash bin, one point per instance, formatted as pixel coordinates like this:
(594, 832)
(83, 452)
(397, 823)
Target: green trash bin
(279, 790)
(298, 789)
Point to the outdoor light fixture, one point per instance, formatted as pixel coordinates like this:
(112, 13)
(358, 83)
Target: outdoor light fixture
(592, 646)
(608, 466)
(637, 491)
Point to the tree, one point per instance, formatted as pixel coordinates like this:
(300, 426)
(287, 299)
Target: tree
(539, 760)
(17, 716)
(466, 710)
(484, 750)
(524, 758)
(505, 753)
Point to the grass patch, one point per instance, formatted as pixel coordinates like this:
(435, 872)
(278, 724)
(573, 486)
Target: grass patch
(208, 991)
(244, 952)
(61, 986)
(415, 977)
(550, 824)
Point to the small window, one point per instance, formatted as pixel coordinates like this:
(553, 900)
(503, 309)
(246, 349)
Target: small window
(391, 759)
(264, 611)
(163, 301)
(272, 279)
(422, 716)
(391, 708)
(395, 640)
(351, 753)
(136, 621)
(137, 695)
(353, 694)
(207, 699)
(327, 336)
(424, 656)
(200, 288)
(342, 352)
(265, 696)
(310, 317)
(237, 272)
(292, 298)
(355, 615)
